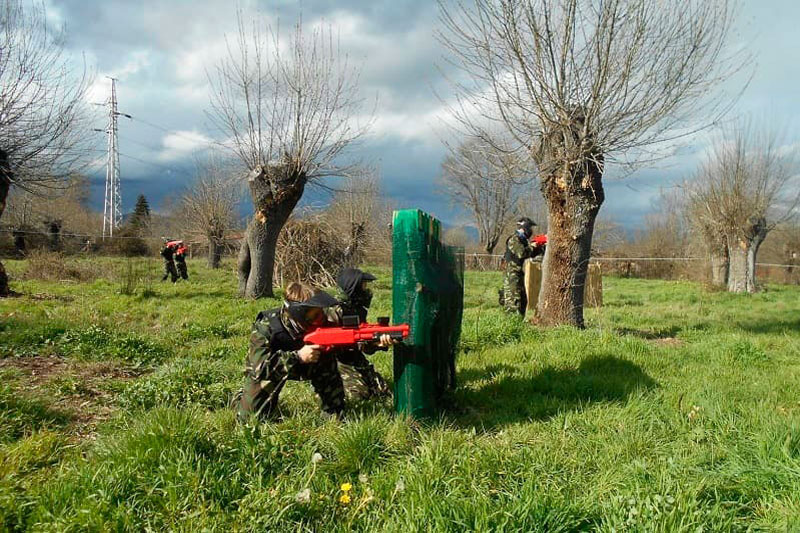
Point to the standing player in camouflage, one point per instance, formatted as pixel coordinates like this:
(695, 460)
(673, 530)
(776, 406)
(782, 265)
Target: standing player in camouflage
(360, 378)
(518, 249)
(180, 260)
(168, 253)
(277, 354)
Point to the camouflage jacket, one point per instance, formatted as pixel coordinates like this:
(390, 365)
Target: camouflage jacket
(272, 347)
(345, 308)
(518, 249)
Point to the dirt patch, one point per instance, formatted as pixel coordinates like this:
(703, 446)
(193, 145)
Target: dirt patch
(47, 297)
(83, 389)
(669, 342)
(39, 369)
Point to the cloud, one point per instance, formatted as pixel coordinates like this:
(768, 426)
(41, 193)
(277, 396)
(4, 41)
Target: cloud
(181, 144)
(161, 51)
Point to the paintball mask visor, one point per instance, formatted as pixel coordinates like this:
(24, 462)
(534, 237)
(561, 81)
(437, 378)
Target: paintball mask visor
(310, 314)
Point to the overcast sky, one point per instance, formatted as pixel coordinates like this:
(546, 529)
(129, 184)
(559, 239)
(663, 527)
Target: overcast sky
(160, 51)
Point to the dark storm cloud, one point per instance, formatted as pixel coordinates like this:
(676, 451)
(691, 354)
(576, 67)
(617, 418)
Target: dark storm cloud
(160, 51)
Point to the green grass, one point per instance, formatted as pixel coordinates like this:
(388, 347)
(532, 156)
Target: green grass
(676, 409)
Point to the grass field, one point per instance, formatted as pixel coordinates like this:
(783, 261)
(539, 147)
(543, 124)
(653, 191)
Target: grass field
(677, 409)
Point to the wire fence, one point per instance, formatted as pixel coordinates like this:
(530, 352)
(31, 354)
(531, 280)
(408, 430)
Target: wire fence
(669, 268)
(15, 243)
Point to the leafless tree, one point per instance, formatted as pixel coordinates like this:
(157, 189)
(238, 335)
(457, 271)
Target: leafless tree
(609, 235)
(41, 105)
(584, 83)
(714, 241)
(745, 188)
(359, 215)
(488, 182)
(207, 208)
(32, 215)
(289, 107)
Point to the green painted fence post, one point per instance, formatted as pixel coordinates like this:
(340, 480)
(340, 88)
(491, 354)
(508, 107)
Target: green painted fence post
(428, 294)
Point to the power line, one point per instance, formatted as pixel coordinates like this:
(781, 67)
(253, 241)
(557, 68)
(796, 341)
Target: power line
(177, 133)
(89, 235)
(165, 167)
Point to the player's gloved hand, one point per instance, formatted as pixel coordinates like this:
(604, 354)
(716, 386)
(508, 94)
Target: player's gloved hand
(386, 340)
(309, 353)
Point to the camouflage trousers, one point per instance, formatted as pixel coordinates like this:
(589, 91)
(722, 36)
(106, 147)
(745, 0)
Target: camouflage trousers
(182, 269)
(360, 379)
(260, 393)
(514, 298)
(169, 271)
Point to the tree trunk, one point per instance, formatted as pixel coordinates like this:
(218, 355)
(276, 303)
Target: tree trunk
(738, 272)
(5, 185)
(491, 245)
(243, 262)
(719, 268)
(573, 200)
(275, 191)
(760, 233)
(743, 250)
(720, 260)
(214, 252)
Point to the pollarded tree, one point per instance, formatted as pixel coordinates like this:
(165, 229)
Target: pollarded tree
(712, 237)
(744, 189)
(583, 83)
(208, 207)
(359, 216)
(41, 106)
(487, 181)
(289, 108)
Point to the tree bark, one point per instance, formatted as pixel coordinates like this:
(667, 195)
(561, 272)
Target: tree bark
(719, 267)
(573, 200)
(491, 245)
(5, 186)
(743, 251)
(275, 191)
(738, 273)
(759, 234)
(214, 252)
(243, 262)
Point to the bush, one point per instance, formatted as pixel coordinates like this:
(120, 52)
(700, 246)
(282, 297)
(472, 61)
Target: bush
(52, 266)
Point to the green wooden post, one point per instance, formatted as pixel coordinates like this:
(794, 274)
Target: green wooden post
(427, 293)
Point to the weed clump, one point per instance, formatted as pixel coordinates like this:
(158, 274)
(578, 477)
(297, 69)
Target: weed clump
(184, 382)
(96, 343)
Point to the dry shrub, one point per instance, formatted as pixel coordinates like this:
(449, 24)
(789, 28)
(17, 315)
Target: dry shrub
(52, 266)
(309, 250)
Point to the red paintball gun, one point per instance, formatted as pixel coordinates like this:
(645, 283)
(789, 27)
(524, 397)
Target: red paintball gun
(539, 240)
(352, 333)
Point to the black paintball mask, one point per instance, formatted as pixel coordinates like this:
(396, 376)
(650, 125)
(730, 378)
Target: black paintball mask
(525, 225)
(350, 280)
(303, 317)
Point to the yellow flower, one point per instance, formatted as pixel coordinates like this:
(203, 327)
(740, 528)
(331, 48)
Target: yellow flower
(346, 487)
(344, 498)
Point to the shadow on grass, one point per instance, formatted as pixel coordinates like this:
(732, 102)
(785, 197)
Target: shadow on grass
(770, 326)
(202, 293)
(512, 399)
(659, 333)
(20, 415)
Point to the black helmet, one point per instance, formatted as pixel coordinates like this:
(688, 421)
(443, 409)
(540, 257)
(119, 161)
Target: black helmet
(526, 225)
(349, 280)
(303, 316)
